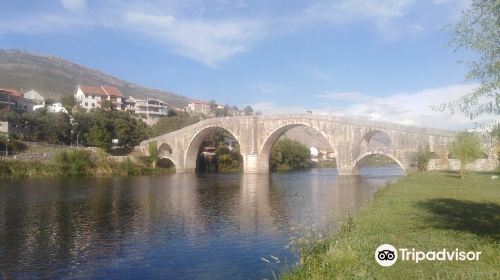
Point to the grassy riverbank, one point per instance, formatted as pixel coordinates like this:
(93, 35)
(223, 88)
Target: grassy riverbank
(76, 163)
(429, 211)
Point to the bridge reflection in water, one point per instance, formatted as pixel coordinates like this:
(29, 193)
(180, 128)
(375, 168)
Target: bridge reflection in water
(182, 226)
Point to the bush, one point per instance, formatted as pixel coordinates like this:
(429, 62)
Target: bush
(74, 162)
(422, 158)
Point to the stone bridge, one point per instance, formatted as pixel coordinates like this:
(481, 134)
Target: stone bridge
(349, 140)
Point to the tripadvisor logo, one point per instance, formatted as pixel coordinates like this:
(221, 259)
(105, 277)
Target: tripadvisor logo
(387, 255)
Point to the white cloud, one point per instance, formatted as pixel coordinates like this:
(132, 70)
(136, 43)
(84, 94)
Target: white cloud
(199, 30)
(42, 23)
(404, 108)
(76, 6)
(356, 10)
(206, 41)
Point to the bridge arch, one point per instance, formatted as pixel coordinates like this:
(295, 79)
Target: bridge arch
(359, 160)
(166, 161)
(164, 150)
(375, 134)
(191, 153)
(265, 149)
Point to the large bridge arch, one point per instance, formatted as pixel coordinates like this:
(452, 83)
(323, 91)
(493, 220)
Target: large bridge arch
(360, 158)
(193, 147)
(271, 138)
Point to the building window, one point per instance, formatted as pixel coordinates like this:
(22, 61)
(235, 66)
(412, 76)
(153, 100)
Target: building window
(93, 105)
(86, 104)
(93, 96)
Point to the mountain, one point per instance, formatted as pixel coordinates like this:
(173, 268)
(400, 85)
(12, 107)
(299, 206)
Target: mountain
(54, 77)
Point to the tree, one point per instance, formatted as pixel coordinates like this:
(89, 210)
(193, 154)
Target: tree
(68, 102)
(108, 105)
(248, 111)
(422, 157)
(479, 31)
(466, 148)
(495, 133)
(224, 112)
(290, 154)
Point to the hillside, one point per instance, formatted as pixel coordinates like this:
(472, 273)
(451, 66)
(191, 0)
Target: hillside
(55, 77)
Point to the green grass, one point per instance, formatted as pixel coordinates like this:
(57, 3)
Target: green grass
(429, 211)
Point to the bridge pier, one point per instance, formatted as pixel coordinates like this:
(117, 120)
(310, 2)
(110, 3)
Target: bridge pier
(251, 163)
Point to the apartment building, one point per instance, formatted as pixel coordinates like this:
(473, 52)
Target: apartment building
(148, 107)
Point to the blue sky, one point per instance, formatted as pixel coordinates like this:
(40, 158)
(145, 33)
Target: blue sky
(380, 59)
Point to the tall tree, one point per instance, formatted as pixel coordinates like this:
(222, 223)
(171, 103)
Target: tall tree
(466, 148)
(479, 31)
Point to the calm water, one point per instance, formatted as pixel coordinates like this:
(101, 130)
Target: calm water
(180, 226)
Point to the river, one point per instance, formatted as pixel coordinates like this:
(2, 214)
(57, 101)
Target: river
(181, 226)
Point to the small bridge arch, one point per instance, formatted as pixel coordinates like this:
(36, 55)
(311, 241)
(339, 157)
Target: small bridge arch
(359, 160)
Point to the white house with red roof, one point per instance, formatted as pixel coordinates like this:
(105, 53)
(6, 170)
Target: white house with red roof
(199, 107)
(90, 97)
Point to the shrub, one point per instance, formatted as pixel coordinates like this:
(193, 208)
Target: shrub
(74, 162)
(422, 157)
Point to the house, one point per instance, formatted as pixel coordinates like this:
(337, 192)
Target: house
(56, 108)
(35, 97)
(148, 107)
(13, 100)
(90, 97)
(199, 107)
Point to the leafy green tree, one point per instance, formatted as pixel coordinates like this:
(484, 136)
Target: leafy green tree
(248, 110)
(169, 124)
(153, 152)
(98, 136)
(108, 105)
(290, 154)
(466, 148)
(224, 112)
(479, 31)
(495, 133)
(57, 128)
(68, 102)
(422, 157)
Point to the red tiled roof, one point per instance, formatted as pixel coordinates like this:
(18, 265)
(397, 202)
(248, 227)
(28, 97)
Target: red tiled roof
(12, 92)
(112, 91)
(200, 102)
(102, 90)
(93, 90)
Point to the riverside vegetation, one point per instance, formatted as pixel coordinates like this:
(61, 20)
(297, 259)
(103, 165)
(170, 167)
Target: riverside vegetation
(428, 211)
(78, 163)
